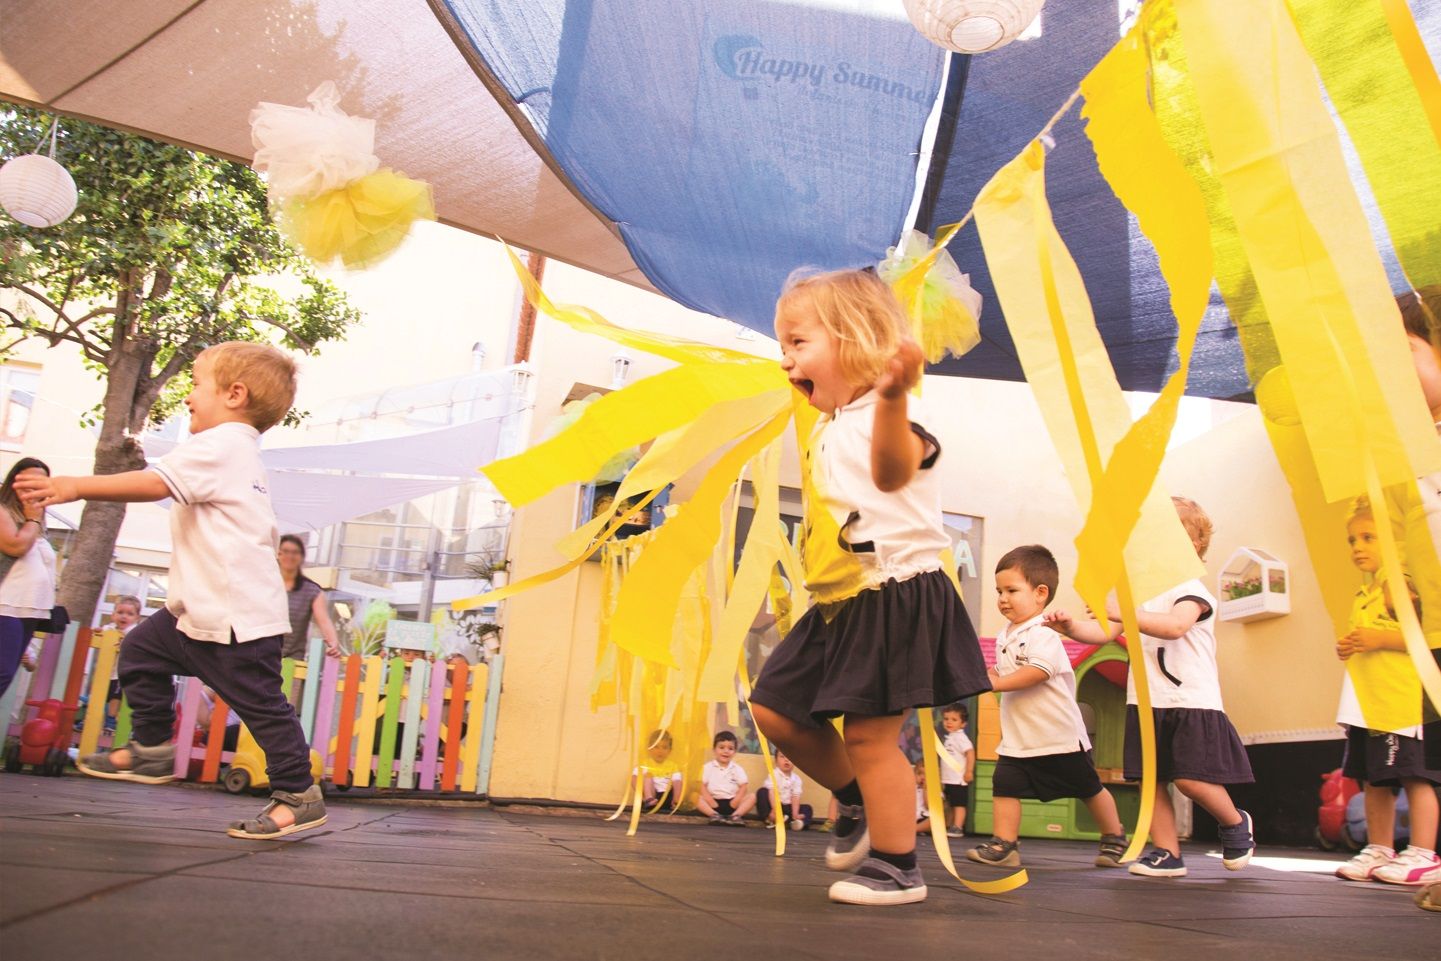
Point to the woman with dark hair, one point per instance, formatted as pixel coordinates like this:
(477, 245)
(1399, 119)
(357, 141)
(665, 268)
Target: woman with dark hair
(27, 594)
(307, 602)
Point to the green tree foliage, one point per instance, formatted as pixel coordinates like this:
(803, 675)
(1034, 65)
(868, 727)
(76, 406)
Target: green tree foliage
(169, 251)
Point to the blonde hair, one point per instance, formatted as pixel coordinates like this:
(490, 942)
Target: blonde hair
(1360, 510)
(858, 310)
(1196, 522)
(267, 373)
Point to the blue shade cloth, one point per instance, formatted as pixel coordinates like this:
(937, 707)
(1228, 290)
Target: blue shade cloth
(730, 142)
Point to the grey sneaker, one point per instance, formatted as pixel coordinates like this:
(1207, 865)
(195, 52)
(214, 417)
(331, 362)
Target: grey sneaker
(309, 808)
(997, 853)
(880, 882)
(1238, 843)
(955, 833)
(851, 839)
(148, 765)
(1112, 850)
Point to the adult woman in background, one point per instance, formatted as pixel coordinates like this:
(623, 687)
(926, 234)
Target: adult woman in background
(27, 594)
(307, 602)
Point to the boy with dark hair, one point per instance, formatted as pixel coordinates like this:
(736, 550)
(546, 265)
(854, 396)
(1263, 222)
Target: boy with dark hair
(724, 787)
(1044, 751)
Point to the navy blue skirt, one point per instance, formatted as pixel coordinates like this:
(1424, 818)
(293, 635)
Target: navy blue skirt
(905, 644)
(1191, 743)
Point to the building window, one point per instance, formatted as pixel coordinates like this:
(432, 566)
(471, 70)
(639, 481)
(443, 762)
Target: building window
(18, 388)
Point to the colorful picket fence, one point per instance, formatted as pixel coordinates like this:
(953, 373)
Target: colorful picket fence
(380, 723)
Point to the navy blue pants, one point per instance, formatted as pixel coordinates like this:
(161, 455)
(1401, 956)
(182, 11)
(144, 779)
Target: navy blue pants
(15, 635)
(246, 676)
(763, 807)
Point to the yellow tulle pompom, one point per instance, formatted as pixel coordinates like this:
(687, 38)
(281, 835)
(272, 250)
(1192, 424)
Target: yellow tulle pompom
(359, 223)
(945, 310)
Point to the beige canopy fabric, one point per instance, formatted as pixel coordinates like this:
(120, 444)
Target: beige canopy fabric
(189, 72)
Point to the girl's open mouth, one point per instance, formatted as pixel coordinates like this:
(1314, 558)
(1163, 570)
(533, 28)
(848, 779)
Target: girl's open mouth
(806, 387)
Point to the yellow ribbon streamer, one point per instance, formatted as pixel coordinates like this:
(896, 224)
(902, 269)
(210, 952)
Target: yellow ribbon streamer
(1418, 61)
(1379, 91)
(929, 750)
(1278, 156)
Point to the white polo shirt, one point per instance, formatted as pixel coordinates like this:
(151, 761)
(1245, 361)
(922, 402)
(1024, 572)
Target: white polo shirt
(723, 783)
(223, 573)
(1043, 718)
(790, 786)
(1182, 672)
(883, 535)
(956, 745)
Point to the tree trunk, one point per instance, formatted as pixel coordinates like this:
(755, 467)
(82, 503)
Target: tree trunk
(129, 394)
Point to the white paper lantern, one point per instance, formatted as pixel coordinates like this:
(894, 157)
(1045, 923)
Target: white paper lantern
(972, 26)
(37, 191)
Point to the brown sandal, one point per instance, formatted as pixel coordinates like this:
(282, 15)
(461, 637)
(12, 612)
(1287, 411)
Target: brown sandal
(309, 807)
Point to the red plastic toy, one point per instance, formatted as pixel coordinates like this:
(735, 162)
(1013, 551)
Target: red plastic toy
(1336, 790)
(44, 739)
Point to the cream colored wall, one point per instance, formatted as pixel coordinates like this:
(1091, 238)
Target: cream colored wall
(1279, 679)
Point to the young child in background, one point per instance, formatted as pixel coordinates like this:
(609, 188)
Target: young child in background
(1044, 751)
(1197, 747)
(888, 632)
(954, 780)
(226, 613)
(724, 787)
(662, 775)
(1393, 759)
(123, 617)
(789, 789)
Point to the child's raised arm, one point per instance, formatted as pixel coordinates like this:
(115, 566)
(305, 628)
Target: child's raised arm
(135, 485)
(896, 451)
(1087, 632)
(1168, 625)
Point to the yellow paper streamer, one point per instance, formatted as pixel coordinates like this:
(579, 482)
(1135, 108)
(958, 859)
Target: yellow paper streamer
(929, 750)
(1418, 61)
(1070, 373)
(1360, 57)
(1279, 159)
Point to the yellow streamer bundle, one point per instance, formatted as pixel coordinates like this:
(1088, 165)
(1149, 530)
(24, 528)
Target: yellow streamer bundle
(360, 223)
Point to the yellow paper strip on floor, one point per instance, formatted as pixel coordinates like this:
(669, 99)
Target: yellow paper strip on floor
(1278, 156)
(1378, 100)
(938, 818)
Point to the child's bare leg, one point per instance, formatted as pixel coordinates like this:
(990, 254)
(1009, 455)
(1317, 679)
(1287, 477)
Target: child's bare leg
(704, 808)
(1006, 818)
(1381, 816)
(743, 807)
(1213, 797)
(818, 751)
(1163, 822)
(1421, 796)
(1103, 811)
(886, 778)
(958, 817)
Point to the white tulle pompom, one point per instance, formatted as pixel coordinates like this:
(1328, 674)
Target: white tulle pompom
(306, 151)
(972, 26)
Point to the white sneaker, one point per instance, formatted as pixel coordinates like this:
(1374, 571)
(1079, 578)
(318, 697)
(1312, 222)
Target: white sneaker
(1364, 864)
(1412, 866)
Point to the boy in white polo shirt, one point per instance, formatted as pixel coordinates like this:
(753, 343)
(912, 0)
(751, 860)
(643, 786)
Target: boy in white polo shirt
(1044, 751)
(724, 787)
(226, 614)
